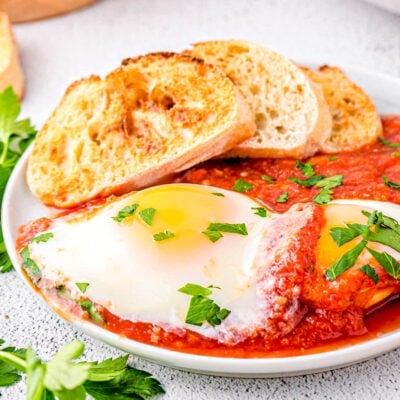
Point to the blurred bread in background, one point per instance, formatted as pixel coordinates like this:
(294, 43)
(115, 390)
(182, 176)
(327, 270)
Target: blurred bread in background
(10, 68)
(28, 10)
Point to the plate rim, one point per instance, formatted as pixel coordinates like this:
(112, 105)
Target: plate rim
(211, 365)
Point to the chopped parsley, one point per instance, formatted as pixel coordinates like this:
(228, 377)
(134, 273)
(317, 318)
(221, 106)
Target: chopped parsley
(160, 236)
(90, 308)
(28, 263)
(242, 186)
(260, 211)
(327, 184)
(369, 271)
(307, 169)
(311, 181)
(391, 184)
(386, 142)
(283, 197)
(219, 194)
(126, 212)
(380, 229)
(82, 286)
(147, 215)
(267, 178)
(44, 237)
(333, 158)
(214, 229)
(201, 308)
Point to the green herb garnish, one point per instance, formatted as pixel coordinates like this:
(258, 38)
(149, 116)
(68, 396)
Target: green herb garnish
(219, 194)
(65, 378)
(90, 308)
(147, 215)
(386, 142)
(388, 262)
(391, 184)
(346, 261)
(260, 211)
(126, 212)
(327, 184)
(160, 236)
(283, 197)
(307, 169)
(368, 270)
(213, 231)
(242, 186)
(311, 181)
(82, 286)
(28, 263)
(43, 237)
(15, 136)
(267, 178)
(202, 308)
(380, 229)
(332, 158)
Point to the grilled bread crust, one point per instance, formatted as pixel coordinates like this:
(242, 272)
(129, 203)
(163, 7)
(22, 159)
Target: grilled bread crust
(356, 121)
(290, 112)
(153, 116)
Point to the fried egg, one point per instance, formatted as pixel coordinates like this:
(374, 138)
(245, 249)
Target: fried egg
(133, 254)
(134, 262)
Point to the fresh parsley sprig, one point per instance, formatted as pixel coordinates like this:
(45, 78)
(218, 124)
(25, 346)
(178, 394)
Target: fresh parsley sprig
(380, 229)
(202, 308)
(215, 229)
(326, 184)
(15, 136)
(64, 378)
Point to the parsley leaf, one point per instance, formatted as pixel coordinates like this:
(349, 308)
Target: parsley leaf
(346, 261)
(307, 182)
(147, 215)
(15, 136)
(368, 270)
(28, 263)
(327, 184)
(391, 184)
(342, 235)
(268, 178)
(213, 235)
(82, 286)
(260, 211)
(386, 142)
(242, 186)
(388, 262)
(126, 212)
(307, 169)
(44, 237)
(90, 308)
(240, 229)
(283, 197)
(158, 237)
(130, 384)
(219, 194)
(214, 229)
(65, 378)
(201, 308)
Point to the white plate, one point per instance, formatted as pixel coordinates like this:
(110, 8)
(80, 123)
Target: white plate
(19, 207)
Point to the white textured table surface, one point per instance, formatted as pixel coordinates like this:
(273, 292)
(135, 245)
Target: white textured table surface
(94, 40)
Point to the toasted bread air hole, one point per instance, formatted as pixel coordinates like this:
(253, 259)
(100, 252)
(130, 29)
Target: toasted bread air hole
(161, 98)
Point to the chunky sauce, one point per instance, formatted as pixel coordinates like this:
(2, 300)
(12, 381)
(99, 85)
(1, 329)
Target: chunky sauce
(318, 331)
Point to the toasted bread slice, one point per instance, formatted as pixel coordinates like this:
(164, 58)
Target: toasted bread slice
(10, 68)
(153, 116)
(291, 114)
(356, 121)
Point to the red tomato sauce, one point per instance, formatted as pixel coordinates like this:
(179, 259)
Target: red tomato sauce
(363, 171)
(319, 330)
